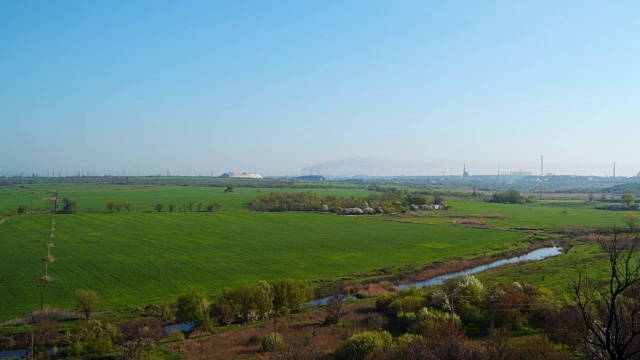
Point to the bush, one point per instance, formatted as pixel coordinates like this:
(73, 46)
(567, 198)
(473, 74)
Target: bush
(141, 349)
(377, 321)
(359, 346)
(222, 312)
(146, 328)
(176, 334)
(191, 307)
(251, 302)
(21, 209)
(90, 337)
(407, 304)
(290, 295)
(272, 342)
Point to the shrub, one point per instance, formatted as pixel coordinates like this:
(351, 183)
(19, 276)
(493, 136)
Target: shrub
(377, 321)
(140, 349)
(359, 346)
(272, 342)
(21, 209)
(176, 334)
(290, 295)
(251, 302)
(90, 337)
(407, 304)
(147, 328)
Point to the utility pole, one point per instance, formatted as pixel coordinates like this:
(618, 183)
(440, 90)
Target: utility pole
(49, 258)
(275, 342)
(453, 312)
(42, 285)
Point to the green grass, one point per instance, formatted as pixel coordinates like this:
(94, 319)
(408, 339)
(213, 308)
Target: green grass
(143, 198)
(556, 272)
(142, 258)
(545, 216)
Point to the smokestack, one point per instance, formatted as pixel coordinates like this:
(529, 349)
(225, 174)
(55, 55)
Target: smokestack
(541, 165)
(614, 169)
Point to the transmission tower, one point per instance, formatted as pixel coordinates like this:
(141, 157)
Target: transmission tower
(50, 258)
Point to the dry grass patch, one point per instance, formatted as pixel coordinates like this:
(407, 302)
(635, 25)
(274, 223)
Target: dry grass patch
(297, 331)
(468, 222)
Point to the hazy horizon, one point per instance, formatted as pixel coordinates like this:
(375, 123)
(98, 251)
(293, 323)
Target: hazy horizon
(361, 87)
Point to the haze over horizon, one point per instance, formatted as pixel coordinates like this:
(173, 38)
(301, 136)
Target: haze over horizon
(359, 87)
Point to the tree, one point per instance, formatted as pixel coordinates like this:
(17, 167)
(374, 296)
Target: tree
(188, 305)
(171, 207)
(290, 295)
(127, 206)
(249, 302)
(336, 309)
(608, 313)
(468, 296)
(229, 189)
(630, 220)
(111, 206)
(87, 301)
(628, 199)
(21, 209)
(68, 206)
(90, 337)
(159, 207)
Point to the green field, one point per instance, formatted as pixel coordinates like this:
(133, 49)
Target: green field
(550, 215)
(137, 259)
(145, 257)
(558, 272)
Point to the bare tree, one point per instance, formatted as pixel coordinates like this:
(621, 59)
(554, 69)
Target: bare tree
(630, 220)
(609, 311)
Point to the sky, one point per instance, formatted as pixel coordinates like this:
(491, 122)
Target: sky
(378, 87)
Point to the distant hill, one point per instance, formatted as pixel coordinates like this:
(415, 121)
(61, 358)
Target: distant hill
(633, 188)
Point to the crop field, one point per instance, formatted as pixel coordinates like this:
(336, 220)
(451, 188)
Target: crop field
(546, 216)
(143, 258)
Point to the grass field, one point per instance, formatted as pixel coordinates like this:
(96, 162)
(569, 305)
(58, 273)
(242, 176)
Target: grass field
(549, 215)
(142, 258)
(557, 272)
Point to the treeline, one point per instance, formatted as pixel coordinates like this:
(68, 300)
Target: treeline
(509, 197)
(245, 304)
(388, 200)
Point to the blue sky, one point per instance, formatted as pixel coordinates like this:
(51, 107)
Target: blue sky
(379, 87)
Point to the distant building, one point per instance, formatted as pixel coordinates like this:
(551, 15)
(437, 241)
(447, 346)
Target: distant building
(237, 175)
